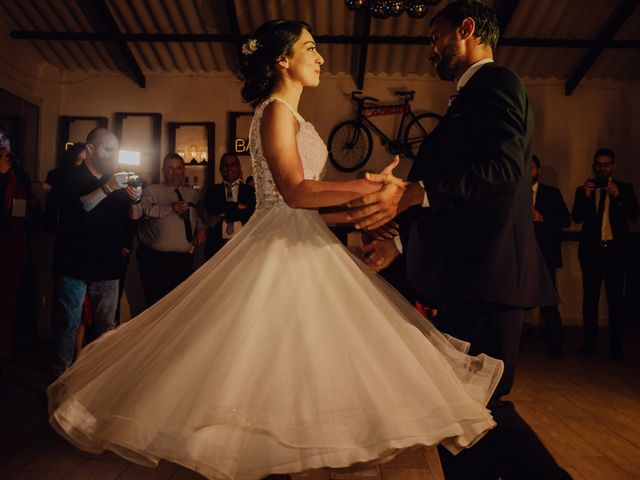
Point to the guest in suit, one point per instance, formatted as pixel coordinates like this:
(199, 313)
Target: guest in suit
(471, 248)
(550, 215)
(229, 205)
(603, 206)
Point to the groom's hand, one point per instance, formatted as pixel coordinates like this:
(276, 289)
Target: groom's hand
(378, 208)
(379, 254)
(388, 230)
(375, 210)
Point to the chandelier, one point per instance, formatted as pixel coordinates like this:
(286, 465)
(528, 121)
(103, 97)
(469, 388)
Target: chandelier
(392, 8)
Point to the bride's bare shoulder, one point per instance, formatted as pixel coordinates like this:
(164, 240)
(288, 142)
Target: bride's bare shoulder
(278, 119)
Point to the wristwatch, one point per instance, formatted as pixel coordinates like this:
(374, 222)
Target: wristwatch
(106, 189)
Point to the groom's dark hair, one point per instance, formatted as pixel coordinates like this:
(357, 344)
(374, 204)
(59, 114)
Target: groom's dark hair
(487, 27)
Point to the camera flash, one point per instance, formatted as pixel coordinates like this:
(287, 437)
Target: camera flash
(127, 157)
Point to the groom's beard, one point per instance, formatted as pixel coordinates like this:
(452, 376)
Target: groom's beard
(448, 62)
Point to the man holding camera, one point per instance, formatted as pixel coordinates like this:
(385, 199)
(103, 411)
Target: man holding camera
(169, 233)
(603, 206)
(97, 208)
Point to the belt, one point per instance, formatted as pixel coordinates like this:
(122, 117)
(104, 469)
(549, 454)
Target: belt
(606, 243)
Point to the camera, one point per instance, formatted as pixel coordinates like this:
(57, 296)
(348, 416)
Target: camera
(134, 180)
(601, 182)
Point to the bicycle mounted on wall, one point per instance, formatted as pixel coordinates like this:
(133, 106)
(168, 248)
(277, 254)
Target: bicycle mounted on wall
(350, 143)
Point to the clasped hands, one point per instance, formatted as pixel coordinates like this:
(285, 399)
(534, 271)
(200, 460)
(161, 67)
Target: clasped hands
(375, 211)
(180, 207)
(231, 207)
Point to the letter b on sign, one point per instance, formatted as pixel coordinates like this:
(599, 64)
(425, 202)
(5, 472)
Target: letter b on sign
(241, 145)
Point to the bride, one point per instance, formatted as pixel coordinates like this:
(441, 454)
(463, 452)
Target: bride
(283, 353)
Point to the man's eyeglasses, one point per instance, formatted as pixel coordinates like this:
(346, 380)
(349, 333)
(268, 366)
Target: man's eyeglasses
(602, 164)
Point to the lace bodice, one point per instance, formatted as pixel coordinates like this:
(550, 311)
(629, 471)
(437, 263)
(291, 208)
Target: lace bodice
(313, 153)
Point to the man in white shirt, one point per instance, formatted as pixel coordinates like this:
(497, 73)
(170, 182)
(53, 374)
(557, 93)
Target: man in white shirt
(170, 231)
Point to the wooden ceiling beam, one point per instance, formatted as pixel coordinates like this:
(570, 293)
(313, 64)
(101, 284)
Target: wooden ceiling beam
(226, 17)
(606, 35)
(100, 18)
(361, 29)
(325, 39)
(504, 11)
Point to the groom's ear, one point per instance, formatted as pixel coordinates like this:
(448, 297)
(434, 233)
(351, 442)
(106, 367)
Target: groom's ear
(467, 28)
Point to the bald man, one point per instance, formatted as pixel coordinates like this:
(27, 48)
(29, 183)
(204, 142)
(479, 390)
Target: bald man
(97, 208)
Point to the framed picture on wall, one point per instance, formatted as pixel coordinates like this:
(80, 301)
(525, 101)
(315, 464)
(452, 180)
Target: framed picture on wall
(140, 136)
(195, 142)
(73, 129)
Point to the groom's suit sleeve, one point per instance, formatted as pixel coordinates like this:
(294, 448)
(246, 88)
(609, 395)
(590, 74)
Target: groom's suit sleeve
(495, 136)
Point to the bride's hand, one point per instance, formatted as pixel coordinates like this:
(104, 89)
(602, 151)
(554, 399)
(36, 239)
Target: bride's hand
(373, 182)
(386, 176)
(388, 170)
(373, 210)
(366, 187)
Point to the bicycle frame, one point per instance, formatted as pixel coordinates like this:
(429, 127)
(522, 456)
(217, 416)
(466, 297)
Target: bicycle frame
(365, 111)
(350, 142)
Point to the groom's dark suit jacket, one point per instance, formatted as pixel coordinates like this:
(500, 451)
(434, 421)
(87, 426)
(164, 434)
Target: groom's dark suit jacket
(476, 241)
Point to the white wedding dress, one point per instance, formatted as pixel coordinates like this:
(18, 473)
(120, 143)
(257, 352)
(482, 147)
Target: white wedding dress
(283, 353)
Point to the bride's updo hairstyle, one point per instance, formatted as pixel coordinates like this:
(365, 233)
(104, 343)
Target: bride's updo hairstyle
(271, 41)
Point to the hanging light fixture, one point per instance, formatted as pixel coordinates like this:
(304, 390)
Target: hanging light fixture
(392, 8)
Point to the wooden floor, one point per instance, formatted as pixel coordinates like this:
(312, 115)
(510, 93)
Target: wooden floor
(587, 412)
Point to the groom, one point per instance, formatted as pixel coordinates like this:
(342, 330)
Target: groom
(468, 235)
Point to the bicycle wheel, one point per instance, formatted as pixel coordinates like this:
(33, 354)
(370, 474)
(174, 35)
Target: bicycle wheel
(350, 145)
(417, 130)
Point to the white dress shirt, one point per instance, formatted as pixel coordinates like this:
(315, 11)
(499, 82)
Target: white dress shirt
(606, 233)
(163, 229)
(237, 226)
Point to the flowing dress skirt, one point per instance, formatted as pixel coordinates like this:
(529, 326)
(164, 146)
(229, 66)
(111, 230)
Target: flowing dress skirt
(283, 353)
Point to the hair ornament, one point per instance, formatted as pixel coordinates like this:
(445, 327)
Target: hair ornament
(250, 46)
